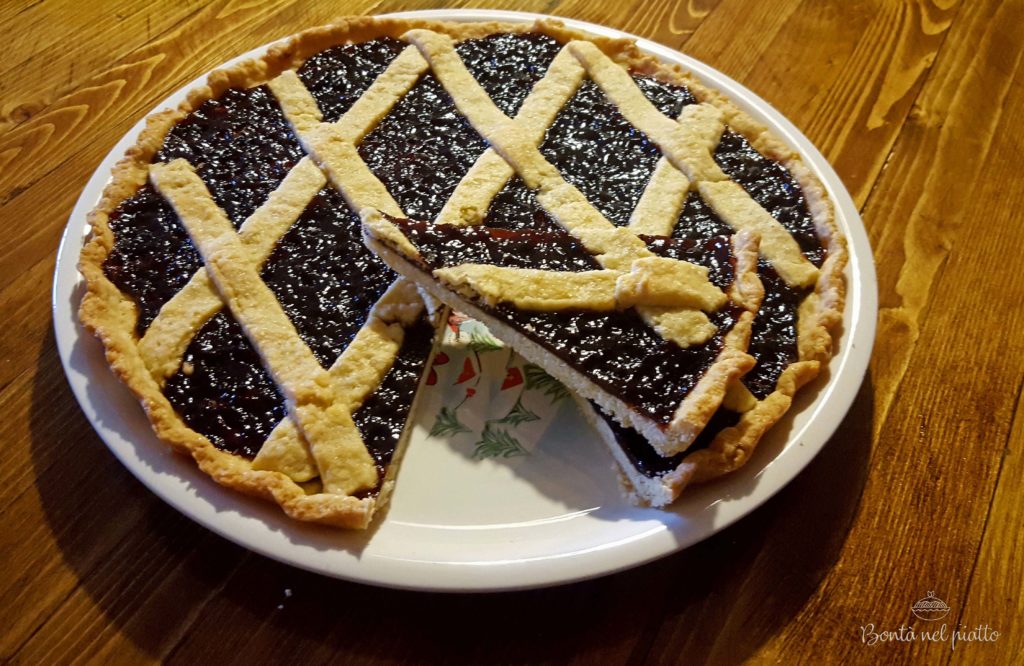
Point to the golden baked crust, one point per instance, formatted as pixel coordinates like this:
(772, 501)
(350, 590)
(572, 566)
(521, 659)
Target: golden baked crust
(820, 314)
(111, 315)
(144, 365)
(681, 146)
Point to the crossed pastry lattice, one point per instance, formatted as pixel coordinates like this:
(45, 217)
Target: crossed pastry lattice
(318, 437)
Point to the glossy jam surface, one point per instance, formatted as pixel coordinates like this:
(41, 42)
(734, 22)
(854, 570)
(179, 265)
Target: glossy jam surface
(241, 145)
(424, 146)
(612, 182)
(422, 149)
(222, 390)
(772, 186)
(153, 257)
(340, 75)
(624, 356)
(516, 208)
(382, 416)
(773, 336)
(714, 253)
(668, 98)
(597, 150)
(324, 276)
(648, 461)
(448, 245)
(326, 281)
(773, 339)
(698, 220)
(320, 271)
(616, 350)
(508, 65)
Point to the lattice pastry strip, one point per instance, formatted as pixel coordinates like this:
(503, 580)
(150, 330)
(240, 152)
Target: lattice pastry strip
(312, 394)
(477, 189)
(688, 145)
(357, 372)
(659, 205)
(690, 151)
(616, 249)
(613, 247)
(376, 345)
(653, 281)
(170, 333)
(369, 356)
(333, 145)
(317, 437)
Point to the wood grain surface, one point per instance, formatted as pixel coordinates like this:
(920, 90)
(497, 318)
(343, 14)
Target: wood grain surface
(919, 107)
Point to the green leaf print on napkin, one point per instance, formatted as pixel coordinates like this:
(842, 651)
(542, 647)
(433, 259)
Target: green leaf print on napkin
(518, 414)
(447, 423)
(496, 443)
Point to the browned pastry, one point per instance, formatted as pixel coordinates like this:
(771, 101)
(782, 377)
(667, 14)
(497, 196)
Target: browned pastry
(228, 283)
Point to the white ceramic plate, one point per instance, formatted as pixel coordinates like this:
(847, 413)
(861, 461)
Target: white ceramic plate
(459, 523)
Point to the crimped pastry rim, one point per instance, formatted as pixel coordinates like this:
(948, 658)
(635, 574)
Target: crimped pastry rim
(245, 72)
(848, 369)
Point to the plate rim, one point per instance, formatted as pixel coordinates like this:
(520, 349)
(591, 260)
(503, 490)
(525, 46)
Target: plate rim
(188, 495)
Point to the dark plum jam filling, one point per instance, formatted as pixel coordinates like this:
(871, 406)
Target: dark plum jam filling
(326, 281)
(624, 356)
(616, 350)
(324, 277)
(772, 186)
(669, 99)
(698, 220)
(593, 140)
(507, 65)
(153, 257)
(516, 208)
(241, 146)
(450, 245)
(648, 461)
(340, 75)
(382, 416)
(714, 253)
(222, 390)
(597, 150)
(422, 149)
(773, 335)
(424, 146)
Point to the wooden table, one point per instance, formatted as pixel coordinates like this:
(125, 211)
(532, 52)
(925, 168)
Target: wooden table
(919, 107)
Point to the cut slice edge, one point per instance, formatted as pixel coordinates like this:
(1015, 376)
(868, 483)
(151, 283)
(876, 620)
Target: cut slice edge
(727, 447)
(693, 411)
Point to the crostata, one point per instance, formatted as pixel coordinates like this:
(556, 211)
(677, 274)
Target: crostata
(269, 264)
